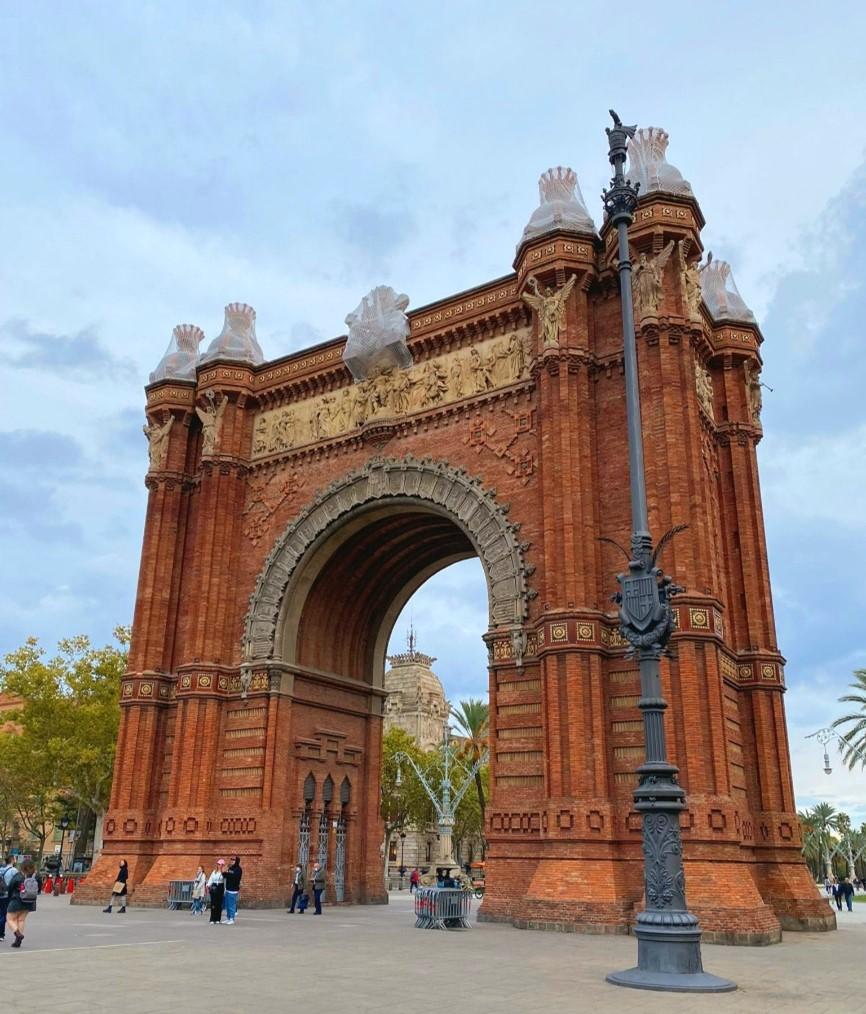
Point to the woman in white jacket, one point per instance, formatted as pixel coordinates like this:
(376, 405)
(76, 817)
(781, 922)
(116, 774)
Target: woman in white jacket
(198, 885)
(216, 889)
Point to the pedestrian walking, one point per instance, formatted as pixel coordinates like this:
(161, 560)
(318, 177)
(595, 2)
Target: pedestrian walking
(232, 879)
(198, 887)
(414, 880)
(318, 887)
(837, 893)
(7, 872)
(118, 891)
(846, 891)
(828, 887)
(24, 888)
(216, 891)
(299, 882)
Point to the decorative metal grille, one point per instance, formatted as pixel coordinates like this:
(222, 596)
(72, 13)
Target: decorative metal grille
(304, 840)
(322, 855)
(340, 861)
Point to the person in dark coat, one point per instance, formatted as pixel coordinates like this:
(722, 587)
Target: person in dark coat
(299, 883)
(118, 892)
(232, 879)
(846, 891)
(318, 886)
(24, 887)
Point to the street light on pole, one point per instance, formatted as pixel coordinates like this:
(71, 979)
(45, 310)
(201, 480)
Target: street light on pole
(669, 937)
(445, 802)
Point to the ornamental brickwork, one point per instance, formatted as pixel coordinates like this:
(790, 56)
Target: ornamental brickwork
(292, 512)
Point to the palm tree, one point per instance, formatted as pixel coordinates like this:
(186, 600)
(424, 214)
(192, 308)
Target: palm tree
(823, 820)
(473, 721)
(855, 737)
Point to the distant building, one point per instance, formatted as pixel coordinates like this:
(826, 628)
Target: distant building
(416, 703)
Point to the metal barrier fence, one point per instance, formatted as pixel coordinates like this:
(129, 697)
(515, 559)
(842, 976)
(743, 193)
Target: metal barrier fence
(442, 908)
(179, 893)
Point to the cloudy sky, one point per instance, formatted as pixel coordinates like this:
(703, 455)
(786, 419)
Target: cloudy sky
(160, 160)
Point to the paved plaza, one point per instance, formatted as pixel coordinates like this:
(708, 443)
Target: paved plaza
(76, 960)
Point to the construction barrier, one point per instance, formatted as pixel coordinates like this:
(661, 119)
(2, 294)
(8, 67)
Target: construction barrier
(442, 908)
(180, 893)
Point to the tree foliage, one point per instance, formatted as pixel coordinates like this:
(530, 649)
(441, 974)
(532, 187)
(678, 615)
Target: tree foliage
(60, 748)
(407, 804)
(473, 722)
(854, 750)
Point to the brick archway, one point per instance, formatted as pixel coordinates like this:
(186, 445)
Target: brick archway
(384, 528)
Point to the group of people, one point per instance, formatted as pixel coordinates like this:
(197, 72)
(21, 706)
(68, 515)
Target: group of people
(300, 896)
(19, 889)
(841, 890)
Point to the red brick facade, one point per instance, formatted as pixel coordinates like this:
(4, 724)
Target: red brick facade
(283, 570)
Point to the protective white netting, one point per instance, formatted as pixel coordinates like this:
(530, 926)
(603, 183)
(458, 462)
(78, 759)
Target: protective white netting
(181, 356)
(648, 164)
(720, 292)
(561, 205)
(378, 327)
(237, 340)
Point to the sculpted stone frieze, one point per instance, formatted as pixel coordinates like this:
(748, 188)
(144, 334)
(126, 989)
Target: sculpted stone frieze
(393, 393)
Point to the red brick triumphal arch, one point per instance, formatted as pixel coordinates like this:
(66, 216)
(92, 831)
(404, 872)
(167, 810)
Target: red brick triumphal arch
(295, 505)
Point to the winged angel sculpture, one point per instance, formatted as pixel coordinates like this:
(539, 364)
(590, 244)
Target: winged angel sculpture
(647, 276)
(549, 305)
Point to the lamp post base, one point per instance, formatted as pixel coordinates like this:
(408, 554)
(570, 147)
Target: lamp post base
(671, 982)
(669, 957)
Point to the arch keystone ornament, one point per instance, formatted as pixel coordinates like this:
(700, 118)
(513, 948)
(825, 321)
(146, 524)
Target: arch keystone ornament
(281, 543)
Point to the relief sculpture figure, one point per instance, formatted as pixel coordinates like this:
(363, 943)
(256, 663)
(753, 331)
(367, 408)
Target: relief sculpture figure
(691, 275)
(455, 374)
(402, 392)
(480, 372)
(211, 423)
(550, 308)
(647, 282)
(704, 387)
(753, 390)
(435, 383)
(157, 441)
(516, 357)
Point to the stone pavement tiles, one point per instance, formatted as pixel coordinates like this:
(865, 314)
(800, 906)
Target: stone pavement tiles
(358, 959)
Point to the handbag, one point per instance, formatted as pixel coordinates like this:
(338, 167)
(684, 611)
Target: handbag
(119, 887)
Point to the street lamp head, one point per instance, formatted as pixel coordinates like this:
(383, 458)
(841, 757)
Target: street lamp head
(398, 781)
(827, 769)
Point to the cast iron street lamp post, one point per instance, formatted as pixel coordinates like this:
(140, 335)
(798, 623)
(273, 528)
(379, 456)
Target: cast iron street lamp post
(443, 801)
(669, 938)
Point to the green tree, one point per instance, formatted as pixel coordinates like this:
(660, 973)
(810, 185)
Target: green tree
(469, 818)
(473, 723)
(821, 824)
(405, 804)
(62, 745)
(854, 751)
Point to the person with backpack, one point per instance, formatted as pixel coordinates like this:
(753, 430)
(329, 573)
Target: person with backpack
(24, 888)
(7, 872)
(119, 889)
